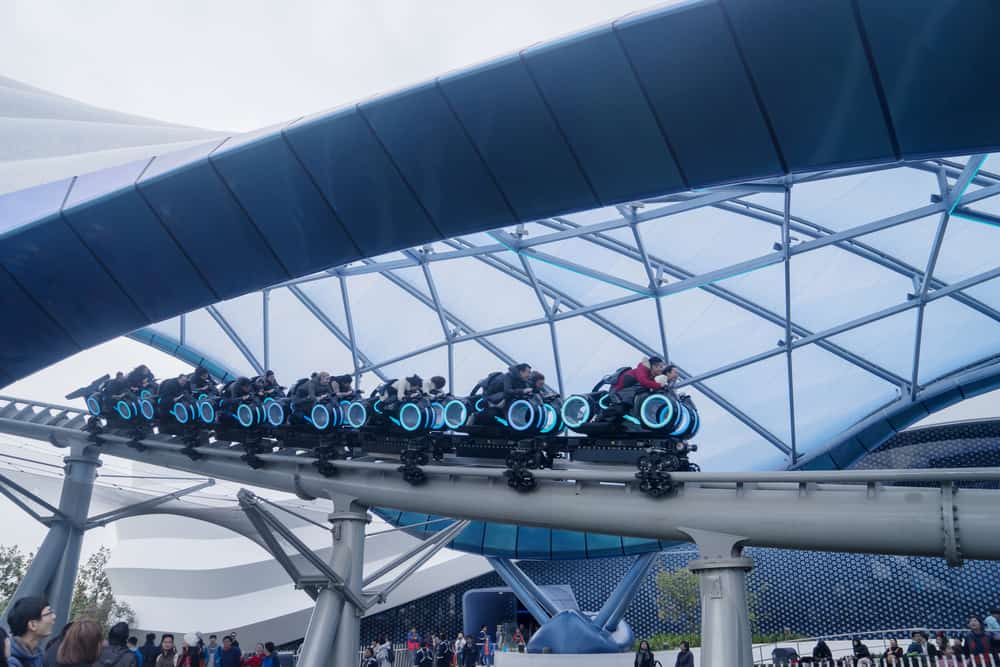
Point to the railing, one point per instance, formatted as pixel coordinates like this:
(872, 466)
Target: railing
(877, 642)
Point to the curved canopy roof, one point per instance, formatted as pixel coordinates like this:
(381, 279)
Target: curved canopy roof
(577, 205)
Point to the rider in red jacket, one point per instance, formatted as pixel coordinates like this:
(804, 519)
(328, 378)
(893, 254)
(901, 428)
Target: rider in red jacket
(645, 374)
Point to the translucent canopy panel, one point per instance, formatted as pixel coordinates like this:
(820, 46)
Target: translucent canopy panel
(893, 285)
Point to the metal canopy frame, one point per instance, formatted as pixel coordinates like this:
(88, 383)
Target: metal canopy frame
(664, 278)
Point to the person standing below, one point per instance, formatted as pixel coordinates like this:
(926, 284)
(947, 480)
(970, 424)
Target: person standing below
(149, 650)
(211, 653)
(644, 656)
(976, 643)
(190, 655)
(368, 660)
(383, 654)
(255, 660)
(229, 656)
(116, 653)
(270, 658)
(133, 645)
(31, 620)
(80, 646)
(684, 657)
(412, 644)
(485, 644)
(442, 653)
(424, 656)
(168, 654)
(469, 653)
(52, 646)
(992, 625)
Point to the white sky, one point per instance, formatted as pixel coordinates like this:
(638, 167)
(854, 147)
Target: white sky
(243, 65)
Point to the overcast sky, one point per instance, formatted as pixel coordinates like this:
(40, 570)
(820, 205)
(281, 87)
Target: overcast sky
(243, 65)
(240, 65)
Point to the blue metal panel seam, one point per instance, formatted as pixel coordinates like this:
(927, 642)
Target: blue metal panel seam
(319, 191)
(236, 200)
(883, 100)
(475, 149)
(649, 105)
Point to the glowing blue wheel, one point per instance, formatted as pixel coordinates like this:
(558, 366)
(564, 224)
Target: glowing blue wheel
(206, 412)
(180, 413)
(576, 411)
(274, 413)
(320, 416)
(551, 419)
(683, 422)
(410, 416)
(437, 416)
(656, 411)
(146, 409)
(124, 410)
(455, 414)
(94, 406)
(356, 414)
(521, 415)
(244, 415)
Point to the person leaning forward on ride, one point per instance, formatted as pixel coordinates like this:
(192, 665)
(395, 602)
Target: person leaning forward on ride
(645, 374)
(514, 383)
(409, 387)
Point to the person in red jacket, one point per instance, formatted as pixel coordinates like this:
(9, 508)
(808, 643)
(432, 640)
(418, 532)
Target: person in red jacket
(644, 374)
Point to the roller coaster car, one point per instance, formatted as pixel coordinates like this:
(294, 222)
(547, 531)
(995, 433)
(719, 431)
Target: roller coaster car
(529, 416)
(325, 414)
(118, 408)
(416, 415)
(635, 412)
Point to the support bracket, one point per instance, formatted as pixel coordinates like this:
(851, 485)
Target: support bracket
(949, 525)
(140, 507)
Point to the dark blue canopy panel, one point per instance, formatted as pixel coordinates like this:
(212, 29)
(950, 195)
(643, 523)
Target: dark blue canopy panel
(684, 97)
(494, 539)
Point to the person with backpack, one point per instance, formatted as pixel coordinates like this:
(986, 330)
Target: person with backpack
(442, 653)
(116, 653)
(424, 657)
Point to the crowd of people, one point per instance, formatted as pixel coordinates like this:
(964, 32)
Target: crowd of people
(978, 646)
(82, 643)
(436, 650)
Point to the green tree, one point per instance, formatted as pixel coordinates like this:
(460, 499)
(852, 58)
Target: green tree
(678, 599)
(13, 564)
(93, 598)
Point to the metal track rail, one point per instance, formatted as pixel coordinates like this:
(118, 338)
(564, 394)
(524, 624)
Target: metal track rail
(833, 511)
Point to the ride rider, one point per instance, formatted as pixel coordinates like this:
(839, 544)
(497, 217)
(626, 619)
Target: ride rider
(342, 386)
(399, 390)
(266, 386)
(173, 390)
(435, 386)
(644, 374)
(512, 384)
(201, 381)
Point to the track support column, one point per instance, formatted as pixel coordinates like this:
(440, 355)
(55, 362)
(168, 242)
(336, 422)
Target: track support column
(78, 488)
(725, 616)
(349, 519)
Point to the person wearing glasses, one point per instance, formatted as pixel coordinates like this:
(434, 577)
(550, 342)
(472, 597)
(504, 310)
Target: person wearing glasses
(31, 620)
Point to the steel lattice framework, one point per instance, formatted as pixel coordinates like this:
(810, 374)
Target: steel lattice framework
(558, 262)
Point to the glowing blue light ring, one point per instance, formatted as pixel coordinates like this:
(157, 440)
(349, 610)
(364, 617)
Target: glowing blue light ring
(551, 420)
(94, 406)
(275, 413)
(325, 420)
(375, 406)
(696, 423)
(243, 415)
(145, 393)
(146, 409)
(573, 423)
(206, 412)
(202, 396)
(633, 420)
(601, 401)
(269, 399)
(660, 423)
(179, 411)
(465, 414)
(126, 413)
(352, 407)
(420, 417)
(479, 405)
(437, 416)
(683, 422)
(528, 422)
